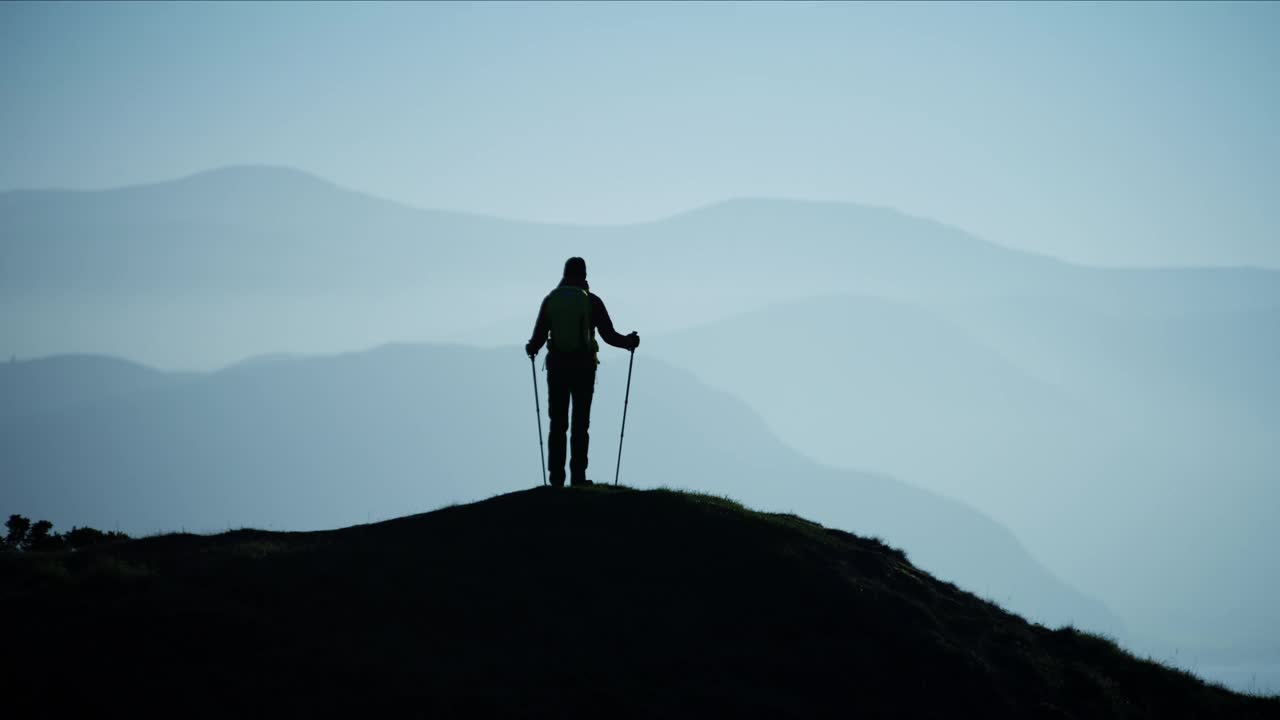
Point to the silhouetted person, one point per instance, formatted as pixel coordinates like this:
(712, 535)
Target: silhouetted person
(570, 316)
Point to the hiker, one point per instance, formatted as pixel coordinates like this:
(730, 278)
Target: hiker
(571, 314)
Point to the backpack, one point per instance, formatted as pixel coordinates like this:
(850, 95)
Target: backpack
(569, 316)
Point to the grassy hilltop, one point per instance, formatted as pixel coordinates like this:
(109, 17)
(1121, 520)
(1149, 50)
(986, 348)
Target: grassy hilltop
(600, 602)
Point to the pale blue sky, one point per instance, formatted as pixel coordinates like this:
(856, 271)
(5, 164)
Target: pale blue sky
(1108, 133)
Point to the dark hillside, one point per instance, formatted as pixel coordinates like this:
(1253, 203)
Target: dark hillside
(601, 603)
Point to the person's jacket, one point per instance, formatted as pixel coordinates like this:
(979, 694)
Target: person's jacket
(599, 321)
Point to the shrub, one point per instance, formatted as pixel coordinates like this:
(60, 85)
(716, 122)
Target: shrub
(18, 527)
(39, 537)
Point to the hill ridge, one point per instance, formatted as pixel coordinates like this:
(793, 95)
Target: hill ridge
(576, 602)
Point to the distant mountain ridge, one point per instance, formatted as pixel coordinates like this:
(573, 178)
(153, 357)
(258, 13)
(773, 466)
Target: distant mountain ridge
(282, 230)
(281, 261)
(56, 384)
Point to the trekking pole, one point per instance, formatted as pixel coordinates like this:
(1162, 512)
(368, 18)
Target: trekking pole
(625, 401)
(538, 410)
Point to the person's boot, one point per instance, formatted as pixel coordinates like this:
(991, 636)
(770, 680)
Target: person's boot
(580, 482)
(556, 481)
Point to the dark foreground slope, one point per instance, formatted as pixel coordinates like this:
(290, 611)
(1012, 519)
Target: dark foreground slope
(599, 602)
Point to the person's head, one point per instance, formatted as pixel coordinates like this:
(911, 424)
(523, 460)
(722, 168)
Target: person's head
(575, 268)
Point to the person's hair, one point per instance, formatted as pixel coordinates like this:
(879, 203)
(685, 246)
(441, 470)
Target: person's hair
(575, 268)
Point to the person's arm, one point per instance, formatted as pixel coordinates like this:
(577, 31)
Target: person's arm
(540, 330)
(600, 318)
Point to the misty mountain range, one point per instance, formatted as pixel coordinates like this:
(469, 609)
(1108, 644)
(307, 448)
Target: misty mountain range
(1122, 423)
(270, 231)
(906, 391)
(325, 442)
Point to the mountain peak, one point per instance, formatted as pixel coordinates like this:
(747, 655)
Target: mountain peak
(247, 181)
(236, 174)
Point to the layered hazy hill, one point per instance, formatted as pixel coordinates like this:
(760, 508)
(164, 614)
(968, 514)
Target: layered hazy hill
(596, 602)
(237, 229)
(69, 381)
(1051, 417)
(316, 443)
(260, 255)
(280, 230)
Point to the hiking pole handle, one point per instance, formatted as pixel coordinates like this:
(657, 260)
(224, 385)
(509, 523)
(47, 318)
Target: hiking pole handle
(625, 401)
(537, 409)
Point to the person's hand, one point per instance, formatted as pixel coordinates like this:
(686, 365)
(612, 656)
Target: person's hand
(529, 349)
(634, 337)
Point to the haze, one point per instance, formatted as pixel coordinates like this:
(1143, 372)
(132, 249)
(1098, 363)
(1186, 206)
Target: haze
(1110, 133)
(989, 281)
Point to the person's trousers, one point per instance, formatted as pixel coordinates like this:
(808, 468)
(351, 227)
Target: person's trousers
(565, 385)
